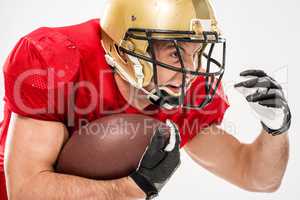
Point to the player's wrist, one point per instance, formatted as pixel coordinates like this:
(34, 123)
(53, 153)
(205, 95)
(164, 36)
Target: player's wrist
(134, 190)
(279, 131)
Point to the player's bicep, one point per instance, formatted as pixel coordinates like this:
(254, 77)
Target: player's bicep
(32, 146)
(219, 152)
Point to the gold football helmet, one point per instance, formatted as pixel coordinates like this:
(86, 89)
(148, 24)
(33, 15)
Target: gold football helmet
(131, 26)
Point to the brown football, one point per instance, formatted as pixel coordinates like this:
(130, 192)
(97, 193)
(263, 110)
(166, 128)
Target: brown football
(108, 148)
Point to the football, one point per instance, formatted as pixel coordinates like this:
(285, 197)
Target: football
(108, 148)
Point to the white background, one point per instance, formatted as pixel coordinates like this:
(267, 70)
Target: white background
(261, 34)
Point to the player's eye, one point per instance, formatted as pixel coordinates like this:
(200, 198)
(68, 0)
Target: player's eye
(175, 57)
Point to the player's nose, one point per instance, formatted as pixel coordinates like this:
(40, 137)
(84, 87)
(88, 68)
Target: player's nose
(190, 66)
(189, 63)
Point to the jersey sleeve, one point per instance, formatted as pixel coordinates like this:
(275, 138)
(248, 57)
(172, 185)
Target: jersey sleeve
(35, 74)
(194, 121)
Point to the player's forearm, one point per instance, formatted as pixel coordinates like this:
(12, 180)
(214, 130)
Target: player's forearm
(267, 158)
(50, 185)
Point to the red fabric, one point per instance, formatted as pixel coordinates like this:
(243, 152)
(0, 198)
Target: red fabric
(3, 195)
(70, 56)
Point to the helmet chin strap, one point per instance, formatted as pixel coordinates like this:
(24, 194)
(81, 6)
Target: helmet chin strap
(165, 100)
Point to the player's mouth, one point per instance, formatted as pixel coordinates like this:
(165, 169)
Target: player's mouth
(174, 89)
(177, 88)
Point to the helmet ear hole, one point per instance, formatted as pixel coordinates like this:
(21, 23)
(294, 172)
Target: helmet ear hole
(148, 51)
(121, 54)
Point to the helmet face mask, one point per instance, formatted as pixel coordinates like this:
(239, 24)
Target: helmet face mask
(212, 72)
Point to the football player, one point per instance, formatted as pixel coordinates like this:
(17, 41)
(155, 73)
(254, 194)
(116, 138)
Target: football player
(161, 58)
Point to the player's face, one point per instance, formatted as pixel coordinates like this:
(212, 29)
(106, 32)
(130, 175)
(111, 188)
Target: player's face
(165, 52)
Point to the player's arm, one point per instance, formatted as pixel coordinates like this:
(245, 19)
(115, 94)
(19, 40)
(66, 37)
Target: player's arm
(258, 166)
(31, 151)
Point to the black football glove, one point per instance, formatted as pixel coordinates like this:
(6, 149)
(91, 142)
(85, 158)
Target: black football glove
(266, 97)
(159, 162)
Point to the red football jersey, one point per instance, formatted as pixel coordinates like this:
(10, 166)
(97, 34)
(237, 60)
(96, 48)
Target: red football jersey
(60, 74)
